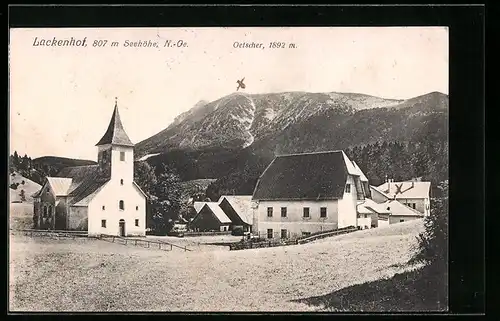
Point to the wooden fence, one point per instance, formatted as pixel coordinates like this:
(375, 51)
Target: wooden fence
(256, 245)
(206, 233)
(318, 236)
(111, 238)
(284, 242)
(52, 233)
(142, 242)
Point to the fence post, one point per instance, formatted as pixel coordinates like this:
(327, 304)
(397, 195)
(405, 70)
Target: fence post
(149, 244)
(185, 248)
(170, 247)
(126, 241)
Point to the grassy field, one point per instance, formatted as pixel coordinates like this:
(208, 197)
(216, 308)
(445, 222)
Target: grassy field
(29, 188)
(93, 275)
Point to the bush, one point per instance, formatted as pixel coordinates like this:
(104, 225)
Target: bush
(14, 185)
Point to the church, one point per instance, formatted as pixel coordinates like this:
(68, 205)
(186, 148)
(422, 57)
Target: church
(101, 199)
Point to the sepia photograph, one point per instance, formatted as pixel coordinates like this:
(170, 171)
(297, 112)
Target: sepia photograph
(228, 169)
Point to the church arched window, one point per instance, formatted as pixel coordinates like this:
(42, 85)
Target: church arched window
(122, 204)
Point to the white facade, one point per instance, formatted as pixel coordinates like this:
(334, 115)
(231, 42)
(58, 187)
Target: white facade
(339, 213)
(119, 200)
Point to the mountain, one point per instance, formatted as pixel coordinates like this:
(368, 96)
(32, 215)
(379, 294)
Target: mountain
(278, 120)
(234, 138)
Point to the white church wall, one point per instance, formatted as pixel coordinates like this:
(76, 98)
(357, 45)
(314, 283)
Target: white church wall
(109, 197)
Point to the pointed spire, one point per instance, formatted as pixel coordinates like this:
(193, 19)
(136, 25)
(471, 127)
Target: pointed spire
(115, 134)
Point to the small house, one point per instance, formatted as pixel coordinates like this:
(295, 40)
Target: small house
(398, 212)
(210, 218)
(238, 209)
(415, 194)
(369, 212)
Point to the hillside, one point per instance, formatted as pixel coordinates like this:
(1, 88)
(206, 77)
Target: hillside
(23, 184)
(155, 280)
(240, 120)
(60, 162)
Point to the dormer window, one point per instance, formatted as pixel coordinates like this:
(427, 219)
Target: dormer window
(122, 156)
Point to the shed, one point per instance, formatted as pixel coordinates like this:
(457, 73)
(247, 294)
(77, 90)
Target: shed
(211, 218)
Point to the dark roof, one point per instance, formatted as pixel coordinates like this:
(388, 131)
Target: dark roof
(115, 134)
(310, 176)
(85, 181)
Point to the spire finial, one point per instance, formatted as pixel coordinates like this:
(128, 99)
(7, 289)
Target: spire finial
(116, 101)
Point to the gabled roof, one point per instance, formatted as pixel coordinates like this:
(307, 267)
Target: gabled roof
(217, 211)
(241, 205)
(198, 206)
(408, 189)
(360, 173)
(397, 208)
(368, 206)
(308, 176)
(85, 182)
(60, 185)
(375, 189)
(115, 134)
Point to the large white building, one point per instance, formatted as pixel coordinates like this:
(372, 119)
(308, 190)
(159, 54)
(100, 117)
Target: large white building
(102, 198)
(299, 194)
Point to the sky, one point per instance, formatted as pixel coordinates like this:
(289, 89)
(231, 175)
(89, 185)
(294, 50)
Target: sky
(61, 98)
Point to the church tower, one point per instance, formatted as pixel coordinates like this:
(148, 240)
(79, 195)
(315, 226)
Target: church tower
(116, 152)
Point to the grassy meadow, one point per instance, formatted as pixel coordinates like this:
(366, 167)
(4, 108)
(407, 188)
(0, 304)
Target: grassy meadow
(361, 271)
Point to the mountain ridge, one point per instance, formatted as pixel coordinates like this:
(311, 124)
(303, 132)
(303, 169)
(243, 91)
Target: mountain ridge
(238, 120)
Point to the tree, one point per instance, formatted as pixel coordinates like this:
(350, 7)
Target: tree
(22, 194)
(432, 248)
(163, 190)
(145, 177)
(15, 160)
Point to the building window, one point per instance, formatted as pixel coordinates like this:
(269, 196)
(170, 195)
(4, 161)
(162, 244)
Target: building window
(283, 233)
(322, 212)
(122, 205)
(121, 182)
(103, 223)
(122, 156)
(366, 215)
(283, 212)
(45, 211)
(269, 212)
(269, 233)
(348, 188)
(401, 221)
(225, 228)
(103, 207)
(306, 212)
(137, 208)
(306, 233)
(414, 205)
(136, 222)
